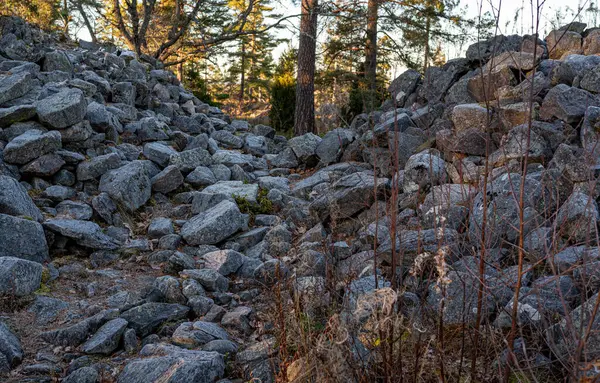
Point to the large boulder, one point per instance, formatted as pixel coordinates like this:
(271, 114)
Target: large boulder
(62, 109)
(146, 318)
(22, 238)
(214, 225)
(423, 169)
(567, 103)
(106, 340)
(129, 185)
(331, 147)
(577, 217)
(171, 364)
(31, 145)
(15, 86)
(404, 85)
(14, 199)
(84, 233)
(305, 147)
(19, 277)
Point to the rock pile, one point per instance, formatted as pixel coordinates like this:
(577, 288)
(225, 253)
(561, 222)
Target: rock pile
(140, 228)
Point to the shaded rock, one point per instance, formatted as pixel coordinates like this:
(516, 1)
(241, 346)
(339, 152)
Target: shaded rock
(22, 238)
(30, 145)
(208, 278)
(14, 199)
(10, 346)
(85, 233)
(129, 185)
(145, 319)
(196, 334)
(76, 334)
(9, 116)
(567, 103)
(169, 179)
(106, 340)
(224, 261)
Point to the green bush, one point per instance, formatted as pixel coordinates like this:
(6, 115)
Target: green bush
(283, 103)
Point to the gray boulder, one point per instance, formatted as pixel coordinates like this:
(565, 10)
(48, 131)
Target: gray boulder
(15, 86)
(189, 160)
(305, 147)
(577, 217)
(331, 147)
(14, 199)
(423, 169)
(31, 145)
(210, 279)
(22, 238)
(83, 375)
(9, 116)
(62, 109)
(169, 179)
(226, 262)
(19, 277)
(76, 334)
(214, 225)
(106, 340)
(192, 335)
(85, 233)
(129, 185)
(146, 318)
(172, 364)
(567, 103)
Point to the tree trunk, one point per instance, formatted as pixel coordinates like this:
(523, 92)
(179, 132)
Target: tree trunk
(427, 33)
(65, 15)
(371, 55)
(304, 115)
(242, 74)
(87, 23)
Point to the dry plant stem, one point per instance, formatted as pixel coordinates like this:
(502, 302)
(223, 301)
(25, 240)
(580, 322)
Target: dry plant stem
(483, 229)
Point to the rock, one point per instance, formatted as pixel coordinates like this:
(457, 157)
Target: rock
(44, 166)
(485, 86)
(238, 320)
(577, 217)
(85, 233)
(30, 145)
(405, 84)
(15, 86)
(214, 225)
(561, 43)
(471, 116)
(285, 159)
(169, 179)
(14, 199)
(271, 272)
(22, 238)
(224, 347)
(567, 103)
(571, 256)
(196, 334)
(502, 210)
(47, 309)
(19, 277)
(208, 278)
(201, 176)
(62, 109)
(83, 375)
(331, 147)
(200, 305)
(423, 169)
(104, 206)
(124, 92)
(58, 193)
(226, 262)
(146, 318)
(57, 60)
(234, 189)
(106, 340)
(305, 147)
(158, 153)
(10, 346)
(9, 116)
(189, 160)
(74, 210)
(174, 365)
(129, 185)
(160, 227)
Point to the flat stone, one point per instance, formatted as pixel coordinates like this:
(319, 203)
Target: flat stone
(85, 233)
(106, 340)
(30, 145)
(62, 109)
(9, 116)
(146, 318)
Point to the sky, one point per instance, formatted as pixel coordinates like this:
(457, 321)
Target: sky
(505, 9)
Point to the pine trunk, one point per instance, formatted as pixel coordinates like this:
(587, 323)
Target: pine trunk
(304, 116)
